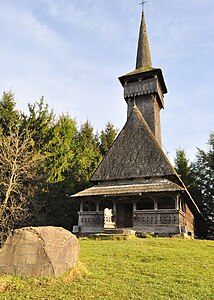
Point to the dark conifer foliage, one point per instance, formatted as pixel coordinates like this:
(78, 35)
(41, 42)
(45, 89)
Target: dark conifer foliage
(199, 178)
(9, 116)
(40, 122)
(204, 178)
(107, 138)
(67, 158)
(87, 156)
(184, 167)
(185, 170)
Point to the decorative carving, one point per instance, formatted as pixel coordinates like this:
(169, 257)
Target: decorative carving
(97, 219)
(91, 219)
(133, 89)
(158, 218)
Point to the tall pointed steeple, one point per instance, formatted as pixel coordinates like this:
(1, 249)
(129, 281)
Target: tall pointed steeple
(145, 85)
(143, 52)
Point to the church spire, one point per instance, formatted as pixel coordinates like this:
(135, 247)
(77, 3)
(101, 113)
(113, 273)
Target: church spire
(143, 52)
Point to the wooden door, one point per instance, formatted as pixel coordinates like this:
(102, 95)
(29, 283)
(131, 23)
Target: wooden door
(124, 215)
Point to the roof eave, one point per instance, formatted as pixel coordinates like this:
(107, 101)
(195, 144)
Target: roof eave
(135, 75)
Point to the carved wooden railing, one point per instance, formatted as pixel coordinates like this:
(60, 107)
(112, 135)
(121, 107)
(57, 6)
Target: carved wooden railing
(158, 217)
(91, 218)
(148, 86)
(96, 219)
(140, 218)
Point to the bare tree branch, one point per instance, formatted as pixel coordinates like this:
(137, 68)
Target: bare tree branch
(18, 170)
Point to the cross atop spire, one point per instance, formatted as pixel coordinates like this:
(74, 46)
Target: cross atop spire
(143, 4)
(143, 52)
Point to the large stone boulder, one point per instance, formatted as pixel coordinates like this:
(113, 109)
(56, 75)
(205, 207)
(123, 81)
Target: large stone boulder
(39, 251)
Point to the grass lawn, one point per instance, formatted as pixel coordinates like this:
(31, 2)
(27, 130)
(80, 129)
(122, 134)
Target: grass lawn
(151, 268)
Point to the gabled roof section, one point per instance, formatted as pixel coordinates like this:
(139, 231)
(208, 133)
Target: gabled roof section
(143, 51)
(134, 154)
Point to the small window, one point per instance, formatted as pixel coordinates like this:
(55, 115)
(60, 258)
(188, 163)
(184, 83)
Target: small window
(145, 203)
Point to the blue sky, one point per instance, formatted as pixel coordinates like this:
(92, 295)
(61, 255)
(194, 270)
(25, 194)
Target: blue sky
(72, 52)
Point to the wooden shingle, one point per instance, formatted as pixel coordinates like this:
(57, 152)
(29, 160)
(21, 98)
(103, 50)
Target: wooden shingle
(134, 154)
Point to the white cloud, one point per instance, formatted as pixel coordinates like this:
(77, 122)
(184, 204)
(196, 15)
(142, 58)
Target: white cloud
(22, 24)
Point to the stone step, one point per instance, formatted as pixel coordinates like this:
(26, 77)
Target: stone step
(123, 231)
(119, 233)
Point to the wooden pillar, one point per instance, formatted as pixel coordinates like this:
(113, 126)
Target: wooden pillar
(81, 206)
(114, 212)
(177, 200)
(155, 204)
(114, 206)
(97, 206)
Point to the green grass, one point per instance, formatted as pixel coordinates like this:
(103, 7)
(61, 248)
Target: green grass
(127, 269)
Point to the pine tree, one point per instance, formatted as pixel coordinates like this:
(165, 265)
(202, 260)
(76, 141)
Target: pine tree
(204, 172)
(107, 137)
(55, 141)
(60, 160)
(60, 149)
(87, 156)
(9, 116)
(186, 171)
(68, 158)
(40, 122)
(184, 168)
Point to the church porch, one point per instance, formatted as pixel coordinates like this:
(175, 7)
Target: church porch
(150, 213)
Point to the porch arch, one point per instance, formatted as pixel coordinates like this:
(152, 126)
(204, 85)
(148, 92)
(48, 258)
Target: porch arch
(88, 206)
(145, 203)
(166, 203)
(103, 204)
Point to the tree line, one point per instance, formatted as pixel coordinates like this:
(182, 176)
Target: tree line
(198, 177)
(44, 159)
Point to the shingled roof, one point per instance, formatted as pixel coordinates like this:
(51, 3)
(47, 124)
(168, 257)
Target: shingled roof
(130, 189)
(134, 154)
(143, 51)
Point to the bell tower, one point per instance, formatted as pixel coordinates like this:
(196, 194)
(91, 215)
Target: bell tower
(145, 86)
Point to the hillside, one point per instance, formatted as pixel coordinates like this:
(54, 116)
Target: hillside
(128, 269)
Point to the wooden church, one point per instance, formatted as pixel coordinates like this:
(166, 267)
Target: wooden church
(135, 186)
